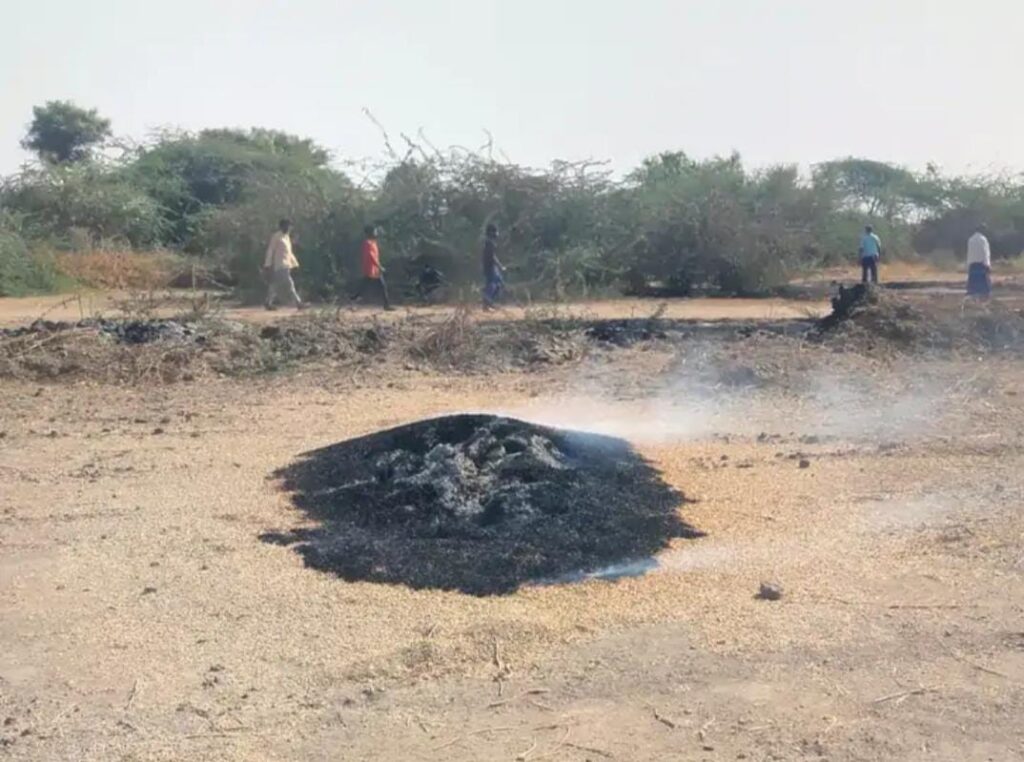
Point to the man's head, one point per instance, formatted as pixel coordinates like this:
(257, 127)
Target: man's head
(492, 230)
(868, 229)
(370, 231)
(284, 225)
(981, 228)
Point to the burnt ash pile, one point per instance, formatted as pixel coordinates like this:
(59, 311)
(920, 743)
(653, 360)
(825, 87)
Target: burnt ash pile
(124, 331)
(181, 349)
(869, 318)
(478, 503)
(177, 349)
(625, 332)
(148, 331)
(867, 310)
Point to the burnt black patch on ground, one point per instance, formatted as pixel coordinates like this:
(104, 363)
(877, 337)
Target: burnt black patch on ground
(625, 332)
(123, 331)
(177, 349)
(168, 350)
(478, 503)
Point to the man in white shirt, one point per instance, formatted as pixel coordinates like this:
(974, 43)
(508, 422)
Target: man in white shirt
(278, 265)
(979, 264)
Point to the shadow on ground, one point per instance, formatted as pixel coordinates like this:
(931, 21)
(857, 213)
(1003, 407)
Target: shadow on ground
(477, 503)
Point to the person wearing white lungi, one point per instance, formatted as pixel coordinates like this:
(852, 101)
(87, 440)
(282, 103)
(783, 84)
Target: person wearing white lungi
(979, 265)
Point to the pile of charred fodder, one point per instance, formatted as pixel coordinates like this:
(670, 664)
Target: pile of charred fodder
(478, 503)
(866, 318)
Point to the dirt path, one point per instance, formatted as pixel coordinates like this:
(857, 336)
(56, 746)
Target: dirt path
(141, 618)
(19, 311)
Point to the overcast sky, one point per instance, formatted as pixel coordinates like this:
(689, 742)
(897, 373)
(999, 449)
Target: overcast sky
(909, 81)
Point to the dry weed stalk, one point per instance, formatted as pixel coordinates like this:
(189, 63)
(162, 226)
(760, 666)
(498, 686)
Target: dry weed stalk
(449, 341)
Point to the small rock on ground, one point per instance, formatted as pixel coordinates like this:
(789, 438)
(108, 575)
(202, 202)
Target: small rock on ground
(769, 591)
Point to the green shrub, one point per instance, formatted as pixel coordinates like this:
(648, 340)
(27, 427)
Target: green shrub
(98, 202)
(20, 272)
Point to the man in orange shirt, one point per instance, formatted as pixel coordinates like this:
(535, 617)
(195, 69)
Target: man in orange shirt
(373, 273)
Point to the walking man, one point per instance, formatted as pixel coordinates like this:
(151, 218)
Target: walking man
(373, 273)
(492, 267)
(870, 251)
(278, 265)
(979, 265)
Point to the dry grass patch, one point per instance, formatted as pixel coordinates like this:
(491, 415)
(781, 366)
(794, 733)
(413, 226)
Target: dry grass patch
(120, 269)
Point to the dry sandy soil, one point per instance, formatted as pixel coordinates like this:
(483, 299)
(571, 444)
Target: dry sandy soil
(19, 311)
(142, 618)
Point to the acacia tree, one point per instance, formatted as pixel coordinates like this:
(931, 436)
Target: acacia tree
(62, 132)
(879, 190)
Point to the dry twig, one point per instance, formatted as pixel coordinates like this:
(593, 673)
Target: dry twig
(481, 731)
(901, 695)
(558, 745)
(131, 695)
(523, 755)
(496, 657)
(531, 692)
(969, 663)
(704, 728)
(663, 719)
(591, 749)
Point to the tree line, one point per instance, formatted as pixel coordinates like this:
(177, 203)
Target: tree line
(675, 223)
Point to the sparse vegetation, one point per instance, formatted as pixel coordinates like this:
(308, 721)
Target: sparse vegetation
(675, 225)
(121, 269)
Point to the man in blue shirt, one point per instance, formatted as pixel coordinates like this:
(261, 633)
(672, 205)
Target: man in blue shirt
(870, 251)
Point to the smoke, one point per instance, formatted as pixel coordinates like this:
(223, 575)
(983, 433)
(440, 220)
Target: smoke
(715, 397)
(703, 555)
(866, 407)
(692, 399)
(712, 394)
(656, 420)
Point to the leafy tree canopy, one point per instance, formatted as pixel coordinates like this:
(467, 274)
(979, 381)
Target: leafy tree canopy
(62, 132)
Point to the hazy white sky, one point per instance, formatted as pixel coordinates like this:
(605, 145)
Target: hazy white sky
(910, 81)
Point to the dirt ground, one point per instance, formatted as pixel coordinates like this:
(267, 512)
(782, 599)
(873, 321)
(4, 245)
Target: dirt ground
(19, 311)
(142, 618)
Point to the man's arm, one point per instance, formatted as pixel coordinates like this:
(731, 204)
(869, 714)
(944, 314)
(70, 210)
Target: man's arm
(268, 260)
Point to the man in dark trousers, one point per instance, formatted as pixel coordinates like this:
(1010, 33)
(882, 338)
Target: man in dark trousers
(870, 251)
(373, 273)
(492, 268)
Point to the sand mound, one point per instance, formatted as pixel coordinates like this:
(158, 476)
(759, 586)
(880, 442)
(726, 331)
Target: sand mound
(478, 503)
